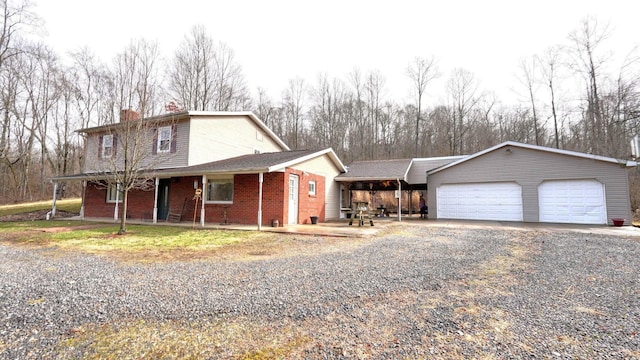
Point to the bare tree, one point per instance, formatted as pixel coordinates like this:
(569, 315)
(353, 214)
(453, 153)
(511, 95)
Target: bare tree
(92, 83)
(550, 63)
(293, 105)
(529, 78)
(375, 88)
(421, 71)
(135, 83)
(589, 62)
(462, 90)
(192, 75)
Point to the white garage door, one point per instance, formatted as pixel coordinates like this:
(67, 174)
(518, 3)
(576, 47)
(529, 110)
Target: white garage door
(481, 201)
(572, 201)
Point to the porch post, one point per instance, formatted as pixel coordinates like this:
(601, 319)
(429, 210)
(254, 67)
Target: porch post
(115, 208)
(55, 197)
(84, 196)
(260, 180)
(204, 197)
(155, 201)
(399, 200)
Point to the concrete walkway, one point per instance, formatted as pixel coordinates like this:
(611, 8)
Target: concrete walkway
(341, 228)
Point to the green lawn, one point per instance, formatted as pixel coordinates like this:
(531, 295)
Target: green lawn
(70, 205)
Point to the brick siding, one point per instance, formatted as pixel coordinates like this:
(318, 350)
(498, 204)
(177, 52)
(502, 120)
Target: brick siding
(244, 209)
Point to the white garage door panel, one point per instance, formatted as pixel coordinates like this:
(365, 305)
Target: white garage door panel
(481, 201)
(572, 201)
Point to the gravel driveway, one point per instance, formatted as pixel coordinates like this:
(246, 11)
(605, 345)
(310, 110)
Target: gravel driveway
(413, 292)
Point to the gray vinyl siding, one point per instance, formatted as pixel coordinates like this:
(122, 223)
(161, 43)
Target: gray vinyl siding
(417, 173)
(529, 168)
(179, 158)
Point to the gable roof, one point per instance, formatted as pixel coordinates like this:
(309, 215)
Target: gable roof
(255, 163)
(420, 166)
(376, 170)
(626, 163)
(245, 164)
(183, 115)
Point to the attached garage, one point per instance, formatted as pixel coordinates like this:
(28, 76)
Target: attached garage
(500, 201)
(572, 201)
(521, 182)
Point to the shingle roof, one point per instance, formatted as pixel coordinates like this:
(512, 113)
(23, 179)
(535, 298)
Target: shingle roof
(246, 163)
(376, 170)
(627, 163)
(252, 163)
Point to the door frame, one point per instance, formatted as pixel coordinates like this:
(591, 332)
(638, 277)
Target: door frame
(293, 199)
(163, 204)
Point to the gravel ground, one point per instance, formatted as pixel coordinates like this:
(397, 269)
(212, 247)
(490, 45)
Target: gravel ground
(414, 292)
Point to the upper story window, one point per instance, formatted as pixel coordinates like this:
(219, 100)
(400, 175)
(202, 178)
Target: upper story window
(107, 146)
(164, 139)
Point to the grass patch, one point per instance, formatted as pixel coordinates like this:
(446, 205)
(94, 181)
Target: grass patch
(71, 205)
(140, 339)
(154, 243)
(139, 242)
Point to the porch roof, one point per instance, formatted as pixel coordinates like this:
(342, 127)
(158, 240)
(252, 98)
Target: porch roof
(245, 164)
(376, 170)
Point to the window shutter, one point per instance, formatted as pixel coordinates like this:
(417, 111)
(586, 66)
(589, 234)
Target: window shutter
(154, 144)
(100, 146)
(115, 145)
(174, 136)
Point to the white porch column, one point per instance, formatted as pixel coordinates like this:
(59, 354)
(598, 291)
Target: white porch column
(155, 202)
(84, 192)
(116, 208)
(399, 200)
(260, 180)
(204, 198)
(55, 197)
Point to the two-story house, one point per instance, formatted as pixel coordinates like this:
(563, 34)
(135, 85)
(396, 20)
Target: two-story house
(214, 167)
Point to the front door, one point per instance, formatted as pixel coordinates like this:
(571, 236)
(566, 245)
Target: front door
(293, 199)
(163, 198)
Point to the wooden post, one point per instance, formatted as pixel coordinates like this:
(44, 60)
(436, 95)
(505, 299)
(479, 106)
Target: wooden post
(196, 197)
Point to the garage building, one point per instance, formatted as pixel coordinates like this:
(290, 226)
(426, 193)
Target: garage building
(520, 182)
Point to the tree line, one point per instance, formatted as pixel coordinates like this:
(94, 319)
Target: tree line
(577, 98)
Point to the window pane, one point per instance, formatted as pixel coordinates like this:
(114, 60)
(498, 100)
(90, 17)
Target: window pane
(164, 139)
(111, 193)
(107, 146)
(220, 189)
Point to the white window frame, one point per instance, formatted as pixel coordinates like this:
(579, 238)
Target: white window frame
(111, 193)
(312, 187)
(107, 140)
(225, 179)
(164, 130)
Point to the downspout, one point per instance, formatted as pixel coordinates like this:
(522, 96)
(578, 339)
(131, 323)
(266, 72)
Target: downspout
(155, 202)
(260, 180)
(84, 196)
(204, 197)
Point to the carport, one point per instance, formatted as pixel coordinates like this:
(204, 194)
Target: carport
(398, 175)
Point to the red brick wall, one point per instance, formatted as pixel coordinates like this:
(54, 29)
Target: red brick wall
(244, 209)
(308, 205)
(140, 204)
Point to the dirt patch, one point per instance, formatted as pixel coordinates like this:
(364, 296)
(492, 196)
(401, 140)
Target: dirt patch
(36, 215)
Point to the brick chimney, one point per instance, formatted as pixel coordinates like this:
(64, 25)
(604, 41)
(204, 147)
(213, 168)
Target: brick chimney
(128, 114)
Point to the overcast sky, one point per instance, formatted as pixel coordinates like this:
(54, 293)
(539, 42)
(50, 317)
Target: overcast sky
(275, 40)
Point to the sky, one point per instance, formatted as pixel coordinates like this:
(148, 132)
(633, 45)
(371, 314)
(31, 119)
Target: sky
(278, 40)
